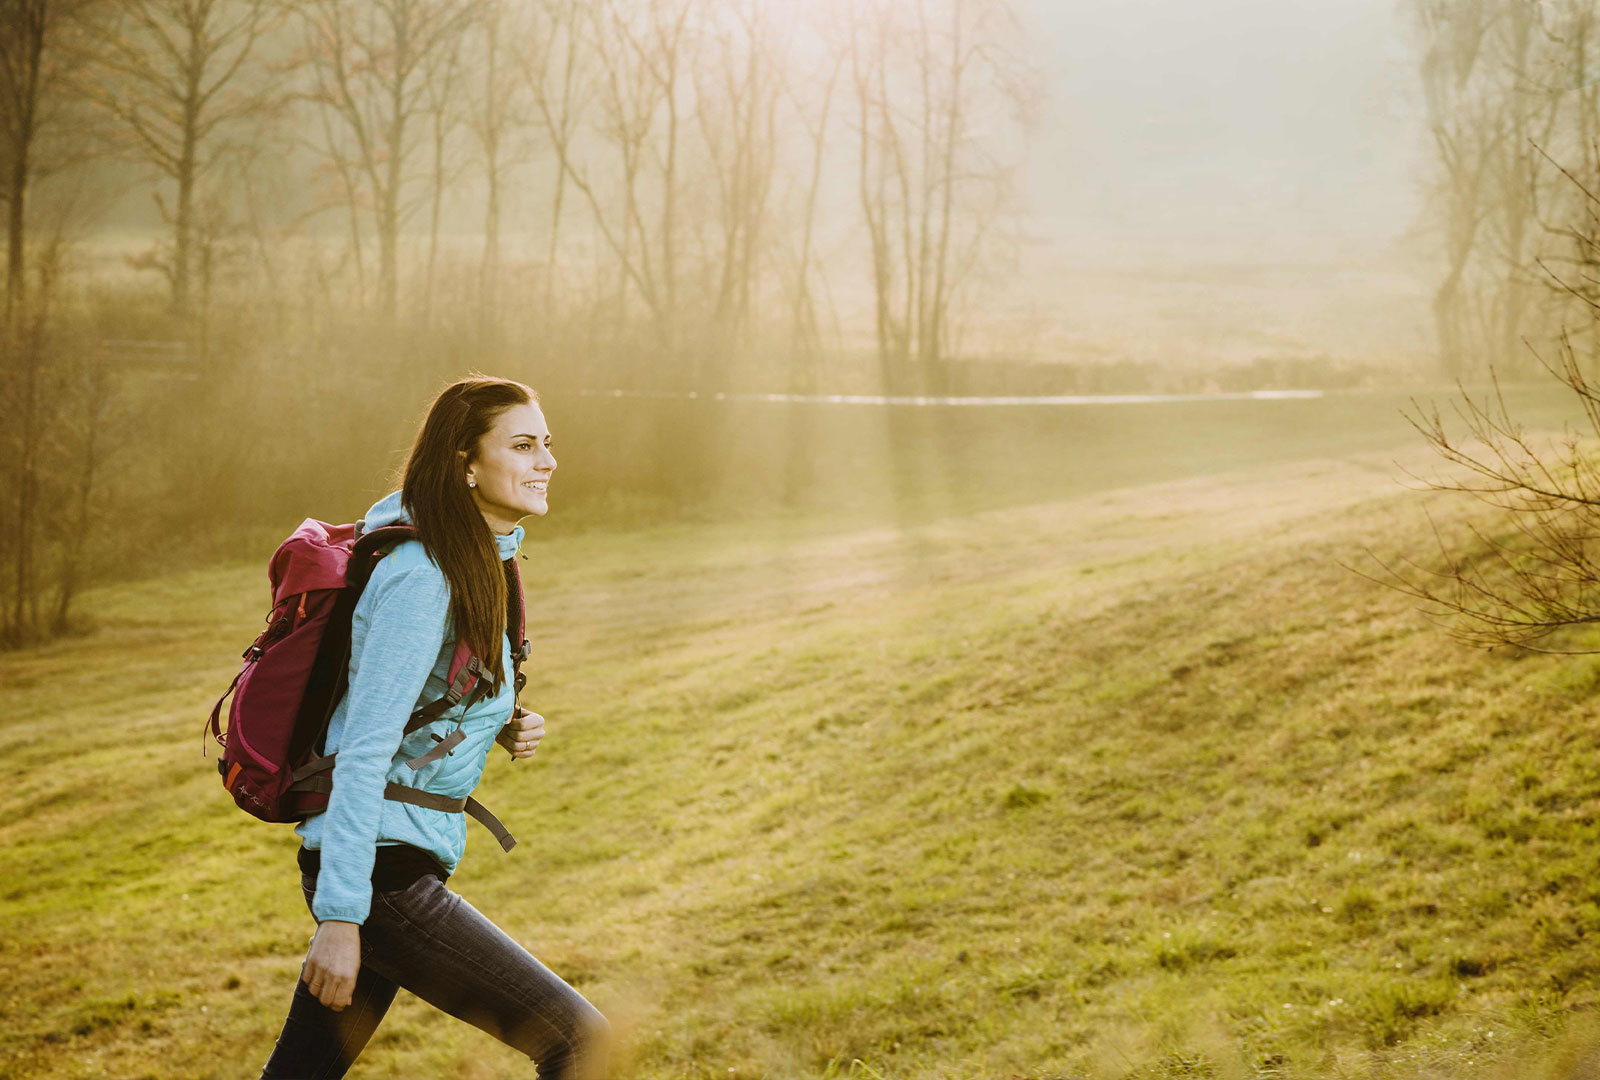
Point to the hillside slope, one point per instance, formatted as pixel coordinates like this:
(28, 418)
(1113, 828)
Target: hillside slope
(1140, 785)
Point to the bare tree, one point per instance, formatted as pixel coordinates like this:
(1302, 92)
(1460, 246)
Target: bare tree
(337, 164)
(739, 83)
(1528, 110)
(804, 330)
(1572, 33)
(95, 393)
(366, 67)
(25, 26)
(1474, 120)
(930, 186)
(551, 58)
(43, 392)
(40, 54)
(262, 185)
(496, 114)
(176, 75)
(639, 61)
(41, 49)
(869, 45)
(1534, 572)
(442, 73)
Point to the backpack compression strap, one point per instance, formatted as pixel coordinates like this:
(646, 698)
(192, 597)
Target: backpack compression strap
(466, 682)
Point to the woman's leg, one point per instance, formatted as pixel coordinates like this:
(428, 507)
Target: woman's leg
(318, 1043)
(429, 940)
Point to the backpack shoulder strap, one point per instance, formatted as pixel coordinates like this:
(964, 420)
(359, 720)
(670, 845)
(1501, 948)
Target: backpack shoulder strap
(516, 627)
(467, 676)
(371, 546)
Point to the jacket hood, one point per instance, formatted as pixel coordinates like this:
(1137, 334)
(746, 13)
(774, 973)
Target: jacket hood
(389, 511)
(386, 511)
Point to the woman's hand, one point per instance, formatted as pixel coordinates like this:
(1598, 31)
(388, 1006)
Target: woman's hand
(521, 734)
(332, 962)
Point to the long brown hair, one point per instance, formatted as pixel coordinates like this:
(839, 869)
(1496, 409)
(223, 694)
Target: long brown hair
(452, 530)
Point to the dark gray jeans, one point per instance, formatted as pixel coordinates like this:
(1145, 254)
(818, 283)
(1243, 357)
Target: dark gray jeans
(429, 940)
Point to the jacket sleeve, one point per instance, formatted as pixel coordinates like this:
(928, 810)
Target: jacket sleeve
(405, 613)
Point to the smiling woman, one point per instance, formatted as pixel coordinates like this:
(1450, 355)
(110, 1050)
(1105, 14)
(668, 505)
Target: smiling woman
(472, 436)
(374, 866)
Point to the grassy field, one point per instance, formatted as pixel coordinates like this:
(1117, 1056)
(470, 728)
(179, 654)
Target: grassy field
(1137, 784)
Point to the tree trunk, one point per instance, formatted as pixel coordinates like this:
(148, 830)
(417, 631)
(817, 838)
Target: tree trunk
(183, 241)
(803, 333)
(16, 225)
(550, 255)
(1447, 325)
(24, 602)
(72, 556)
(947, 170)
(433, 221)
(388, 254)
(184, 237)
(489, 270)
(669, 223)
(389, 188)
(23, 107)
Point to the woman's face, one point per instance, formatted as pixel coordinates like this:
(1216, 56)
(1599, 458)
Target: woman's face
(511, 468)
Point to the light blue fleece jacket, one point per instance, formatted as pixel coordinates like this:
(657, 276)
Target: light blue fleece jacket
(401, 642)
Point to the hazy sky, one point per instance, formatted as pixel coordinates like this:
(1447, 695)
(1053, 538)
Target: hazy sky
(1194, 116)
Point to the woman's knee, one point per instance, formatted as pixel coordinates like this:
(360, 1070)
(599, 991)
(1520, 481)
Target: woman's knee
(591, 1042)
(575, 1048)
(591, 1028)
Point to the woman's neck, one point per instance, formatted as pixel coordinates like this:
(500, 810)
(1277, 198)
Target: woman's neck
(499, 526)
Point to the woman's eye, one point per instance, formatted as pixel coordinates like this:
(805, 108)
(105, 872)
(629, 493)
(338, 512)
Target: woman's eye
(523, 446)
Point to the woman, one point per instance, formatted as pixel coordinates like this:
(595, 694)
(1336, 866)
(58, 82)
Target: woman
(373, 869)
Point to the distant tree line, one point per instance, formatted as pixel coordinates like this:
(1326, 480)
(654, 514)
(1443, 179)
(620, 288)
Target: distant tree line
(1511, 101)
(674, 159)
(686, 194)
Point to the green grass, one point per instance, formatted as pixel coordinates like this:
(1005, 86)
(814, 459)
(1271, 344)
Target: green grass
(1137, 785)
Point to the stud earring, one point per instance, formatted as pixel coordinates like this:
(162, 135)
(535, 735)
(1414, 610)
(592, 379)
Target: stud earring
(472, 483)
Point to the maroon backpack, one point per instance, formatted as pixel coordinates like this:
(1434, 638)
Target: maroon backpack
(296, 671)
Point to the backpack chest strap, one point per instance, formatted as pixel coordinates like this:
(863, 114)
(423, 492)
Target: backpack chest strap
(440, 749)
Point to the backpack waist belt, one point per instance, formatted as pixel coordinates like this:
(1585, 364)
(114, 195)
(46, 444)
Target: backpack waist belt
(417, 797)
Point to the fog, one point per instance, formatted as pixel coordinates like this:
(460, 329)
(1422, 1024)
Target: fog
(336, 208)
(1274, 138)
(1266, 123)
